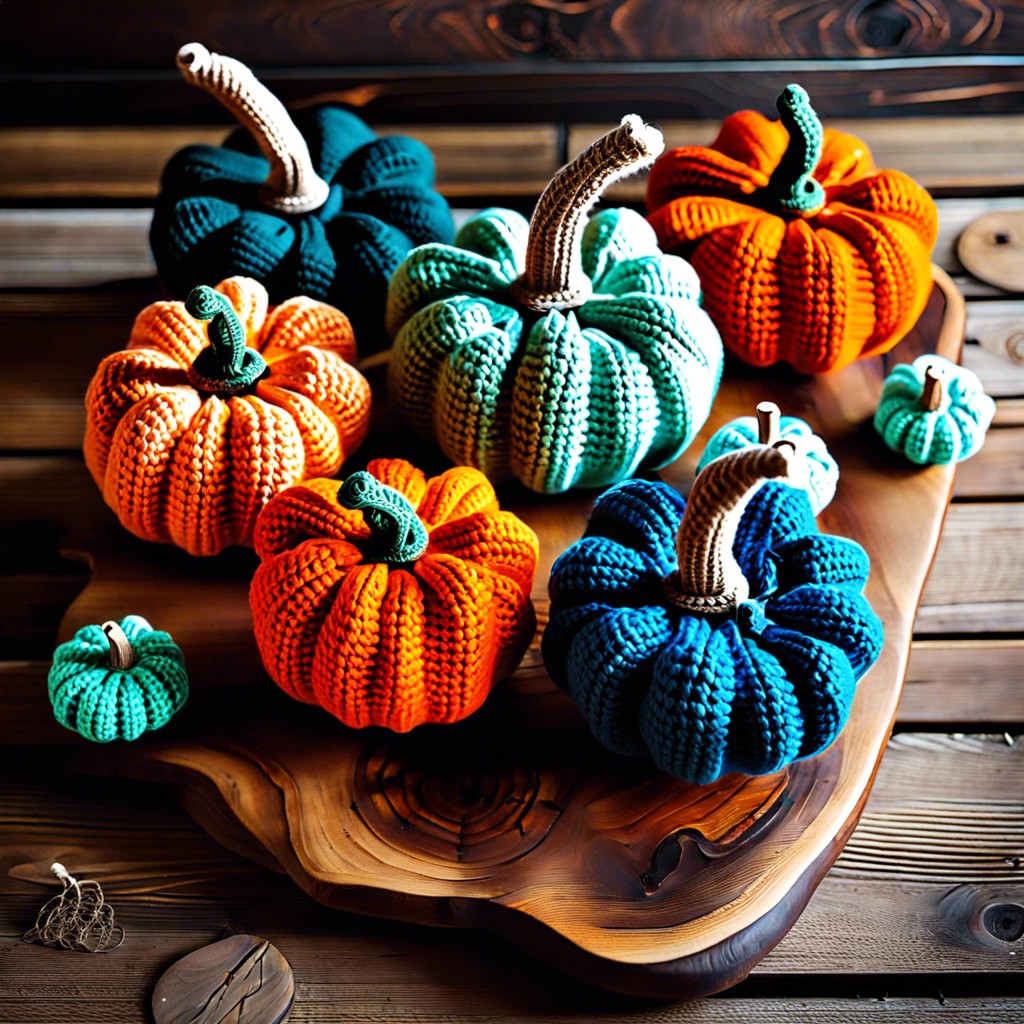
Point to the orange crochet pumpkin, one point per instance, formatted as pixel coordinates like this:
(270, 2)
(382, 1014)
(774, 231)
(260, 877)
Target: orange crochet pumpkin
(391, 599)
(805, 252)
(194, 427)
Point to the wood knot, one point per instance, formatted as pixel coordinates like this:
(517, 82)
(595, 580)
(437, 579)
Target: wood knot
(1004, 920)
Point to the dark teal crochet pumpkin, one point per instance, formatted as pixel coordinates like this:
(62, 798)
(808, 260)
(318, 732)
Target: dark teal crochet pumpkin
(118, 680)
(312, 203)
(728, 642)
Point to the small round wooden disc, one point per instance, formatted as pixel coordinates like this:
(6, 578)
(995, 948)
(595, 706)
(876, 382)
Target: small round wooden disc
(992, 249)
(241, 980)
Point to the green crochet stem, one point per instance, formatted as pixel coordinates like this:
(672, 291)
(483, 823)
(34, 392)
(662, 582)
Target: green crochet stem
(792, 186)
(122, 656)
(710, 580)
(399, 535)
(228, 364)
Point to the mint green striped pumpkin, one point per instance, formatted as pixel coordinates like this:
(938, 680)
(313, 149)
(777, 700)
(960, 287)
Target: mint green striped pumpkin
(579, 397)
(950, 433)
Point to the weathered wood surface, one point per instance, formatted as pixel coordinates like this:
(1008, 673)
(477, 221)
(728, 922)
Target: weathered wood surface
(486, 828)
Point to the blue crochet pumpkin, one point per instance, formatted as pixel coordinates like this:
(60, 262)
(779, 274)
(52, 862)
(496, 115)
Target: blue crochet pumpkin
(769, 426)
(309, 204)
(933, 411)
(118, 680)
(712, 645)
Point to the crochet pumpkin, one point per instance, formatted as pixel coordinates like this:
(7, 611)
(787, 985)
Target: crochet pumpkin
(116, 681)
(567, 352)
(312, 203)
(193, 427)
(391, 599)
(708, 650)
(806, 253)
(768, 427)
(933, 411)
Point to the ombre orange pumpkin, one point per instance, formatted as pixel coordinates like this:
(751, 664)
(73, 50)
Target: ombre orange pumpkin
(806, 253)
(390, 599)
(217, 404)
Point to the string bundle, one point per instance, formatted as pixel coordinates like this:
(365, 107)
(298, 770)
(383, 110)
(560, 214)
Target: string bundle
(78, 918)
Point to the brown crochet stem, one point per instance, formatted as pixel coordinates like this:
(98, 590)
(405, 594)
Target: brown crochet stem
(934, 390)
(121, 654)
(709, 580)
(554, 277)
(292, 186)
(768, 420)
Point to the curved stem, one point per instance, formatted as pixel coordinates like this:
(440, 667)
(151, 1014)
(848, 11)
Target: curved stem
(398, 532)
(709, 580)
(792, 186)
(934, 390)
(228, 364)
(768, 420)
(292, 186)
(122, 656)
(554, 277)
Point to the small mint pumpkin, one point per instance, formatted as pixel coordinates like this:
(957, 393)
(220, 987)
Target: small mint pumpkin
(564, 352)
(933, 411)
(707, 647)
(117, 681)
(769, 426)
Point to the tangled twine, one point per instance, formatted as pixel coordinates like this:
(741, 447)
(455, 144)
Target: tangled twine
(77, 918)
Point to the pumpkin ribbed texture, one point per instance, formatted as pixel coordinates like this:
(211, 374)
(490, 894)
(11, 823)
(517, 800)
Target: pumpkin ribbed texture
(817, 288)
(567, 352)
(104, 702)
(393, 643)
(182, 464)
(748, 690)
(228, 210)
(952, 431)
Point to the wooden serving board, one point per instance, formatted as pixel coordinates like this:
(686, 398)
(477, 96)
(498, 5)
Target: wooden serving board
(517, 820)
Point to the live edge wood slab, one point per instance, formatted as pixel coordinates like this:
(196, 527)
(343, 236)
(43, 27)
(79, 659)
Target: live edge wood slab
(516, 820)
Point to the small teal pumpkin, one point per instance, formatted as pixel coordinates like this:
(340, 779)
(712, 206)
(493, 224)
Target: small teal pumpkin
(767, 428)
(312, 203)
(708, 649)
(117, 681)
(567, 352)
(933, 411)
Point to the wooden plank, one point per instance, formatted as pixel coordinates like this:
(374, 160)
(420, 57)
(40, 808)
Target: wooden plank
(515, 92)
(963, 681)
(945, 154)
(126, 163)
(997, 471)
(976, 585)
(271, 33)
(80, 248)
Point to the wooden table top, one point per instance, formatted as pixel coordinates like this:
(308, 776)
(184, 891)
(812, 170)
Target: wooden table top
(923, 913)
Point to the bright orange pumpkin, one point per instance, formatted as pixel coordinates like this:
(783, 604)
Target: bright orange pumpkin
(806, 253)
(194, 426)
(390, 599)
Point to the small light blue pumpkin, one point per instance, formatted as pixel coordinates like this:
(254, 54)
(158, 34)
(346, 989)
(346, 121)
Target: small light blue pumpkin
(933, 411)
(118, 680)
(767, 428)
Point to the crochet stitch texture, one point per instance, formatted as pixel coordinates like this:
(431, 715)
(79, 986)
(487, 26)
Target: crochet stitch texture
(566, 352)
(104, 701)
(401, 610)
(309, 203)
(817, 287)
(186, 458)
(704, 695)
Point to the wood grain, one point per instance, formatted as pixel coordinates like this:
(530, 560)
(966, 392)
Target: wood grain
(483, 830)
(275, 34)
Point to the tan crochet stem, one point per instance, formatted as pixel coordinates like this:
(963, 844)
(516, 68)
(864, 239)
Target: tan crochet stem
(768, 420)
(121, 654)
(710, 581)
(292, 185)
(554, 277)
(934, 390)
